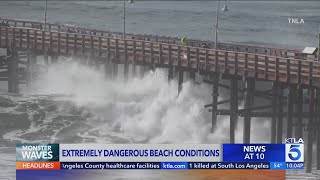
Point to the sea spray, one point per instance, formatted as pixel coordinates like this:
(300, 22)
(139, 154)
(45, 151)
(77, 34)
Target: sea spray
(146, 110)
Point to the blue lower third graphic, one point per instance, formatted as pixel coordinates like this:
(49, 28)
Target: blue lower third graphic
(174, 165)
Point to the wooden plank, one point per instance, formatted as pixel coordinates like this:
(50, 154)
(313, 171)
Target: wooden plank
(13, 37)
(266, 67)
(206, 60)
(225, 68)
(116, 55)
(134, 53)
(246, 65)
(75, 44)
(189, 57)
(99, 47)
(170, 69)
(256, 70)
(216, 61)
(151, 56)
(299, 72)
(236, 63)
(160, 54)
(28, 38)
(197, 58)
(59, 42)
(91, 45)
(35, 34)
(83, 44)
(7, 38)
(126, 65)
(50, 40)
(169, 53)
(43, 41)
(179, 56)
(67, 44)
(0, 36)
(310, 73)
(20, 38)
(143, 52)
(277, 69)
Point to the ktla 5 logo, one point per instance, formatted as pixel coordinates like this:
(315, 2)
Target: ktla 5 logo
(294, 153)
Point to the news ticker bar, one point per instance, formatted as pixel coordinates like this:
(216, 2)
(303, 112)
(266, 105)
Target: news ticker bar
(159, 165)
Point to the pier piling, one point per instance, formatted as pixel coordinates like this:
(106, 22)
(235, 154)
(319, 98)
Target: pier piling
(318, 147)
(290, 102)
(233, 108)
(180, 81)
(171, 68)
(134, 70)
(13, 78)
(108, 69)
(192, 76)
(248, 103)
(54, 59)
(114, 70)
(280, 114)
(299, 110)
(29, 69)
(46, 58)
(317, 130)
(142, 71)
(126, 63)
(215, 93)
(310, 130)
(274, 113)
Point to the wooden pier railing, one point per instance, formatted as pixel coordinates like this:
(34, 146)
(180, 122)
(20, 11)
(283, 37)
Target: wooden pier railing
(148, 53)
(154, 38)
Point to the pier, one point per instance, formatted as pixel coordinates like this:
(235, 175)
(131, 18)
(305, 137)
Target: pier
(237, 64)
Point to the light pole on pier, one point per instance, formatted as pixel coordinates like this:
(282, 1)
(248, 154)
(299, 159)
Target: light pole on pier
(124, 16)
(224, 9)
(45, 15)
(44, 29)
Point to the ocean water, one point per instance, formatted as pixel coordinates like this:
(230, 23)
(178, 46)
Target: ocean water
(72, 103)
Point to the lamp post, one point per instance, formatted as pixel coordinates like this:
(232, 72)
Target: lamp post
(45, 15)
(224, 9)
(44, 29)
(124, 16)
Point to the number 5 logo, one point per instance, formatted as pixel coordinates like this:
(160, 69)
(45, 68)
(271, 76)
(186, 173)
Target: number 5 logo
(294, 153)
